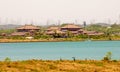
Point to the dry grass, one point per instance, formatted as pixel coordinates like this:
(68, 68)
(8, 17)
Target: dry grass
(38, 40)
(51, 40)
(60, 66)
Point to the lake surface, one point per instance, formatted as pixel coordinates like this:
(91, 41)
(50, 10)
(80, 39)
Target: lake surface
(56, 50)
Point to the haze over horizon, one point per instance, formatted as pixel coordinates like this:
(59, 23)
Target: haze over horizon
(43, 12)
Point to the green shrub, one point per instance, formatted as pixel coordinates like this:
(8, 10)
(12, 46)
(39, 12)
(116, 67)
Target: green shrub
(7, 59)
(108, 56)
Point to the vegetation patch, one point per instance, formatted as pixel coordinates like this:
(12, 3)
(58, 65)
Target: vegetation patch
(59, 66)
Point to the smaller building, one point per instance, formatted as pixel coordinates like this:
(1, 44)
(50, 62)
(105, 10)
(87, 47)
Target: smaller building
(92, 33)
(54, 31)
(19, 34)
(28, 28)
(70, 27)
(53, 28)
(3, 34)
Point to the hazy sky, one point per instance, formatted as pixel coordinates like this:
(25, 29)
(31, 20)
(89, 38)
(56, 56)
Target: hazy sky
(41, 11)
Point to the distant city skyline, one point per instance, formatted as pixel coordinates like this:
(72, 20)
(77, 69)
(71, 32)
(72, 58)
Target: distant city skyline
(42, 12)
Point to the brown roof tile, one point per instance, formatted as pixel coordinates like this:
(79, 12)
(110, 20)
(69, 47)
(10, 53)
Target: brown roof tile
(28, 27)
(18, 33)
(50, 32)
(59, 32)
(70, 26)
(74, 32)
(53, 32)
(53, 28)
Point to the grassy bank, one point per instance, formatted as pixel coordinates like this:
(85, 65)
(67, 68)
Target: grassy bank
(39, 40)
(50, 40)
(60, 66)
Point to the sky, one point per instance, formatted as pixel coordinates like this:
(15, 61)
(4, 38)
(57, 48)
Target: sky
(59, 11)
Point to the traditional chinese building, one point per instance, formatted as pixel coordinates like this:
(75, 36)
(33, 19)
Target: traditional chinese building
(70, 27)
(91, 33)
(74, 29)
(24, 30)
(54, 30)
(28, 28)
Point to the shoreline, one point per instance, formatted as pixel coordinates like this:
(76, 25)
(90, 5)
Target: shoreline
(50, 40)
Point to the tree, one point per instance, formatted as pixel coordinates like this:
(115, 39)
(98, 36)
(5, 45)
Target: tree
(7, 59)
(108, 56)
(69, 34)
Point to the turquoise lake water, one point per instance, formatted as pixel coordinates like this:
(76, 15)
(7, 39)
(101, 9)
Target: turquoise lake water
(56, 50)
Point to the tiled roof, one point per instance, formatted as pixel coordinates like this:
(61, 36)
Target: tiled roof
(74, 32)
(53, 28)
(50, 32)
(96, 33)
(28, 27)
(70, 26)
(57, 31)
(93, 33)
(18, 33)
